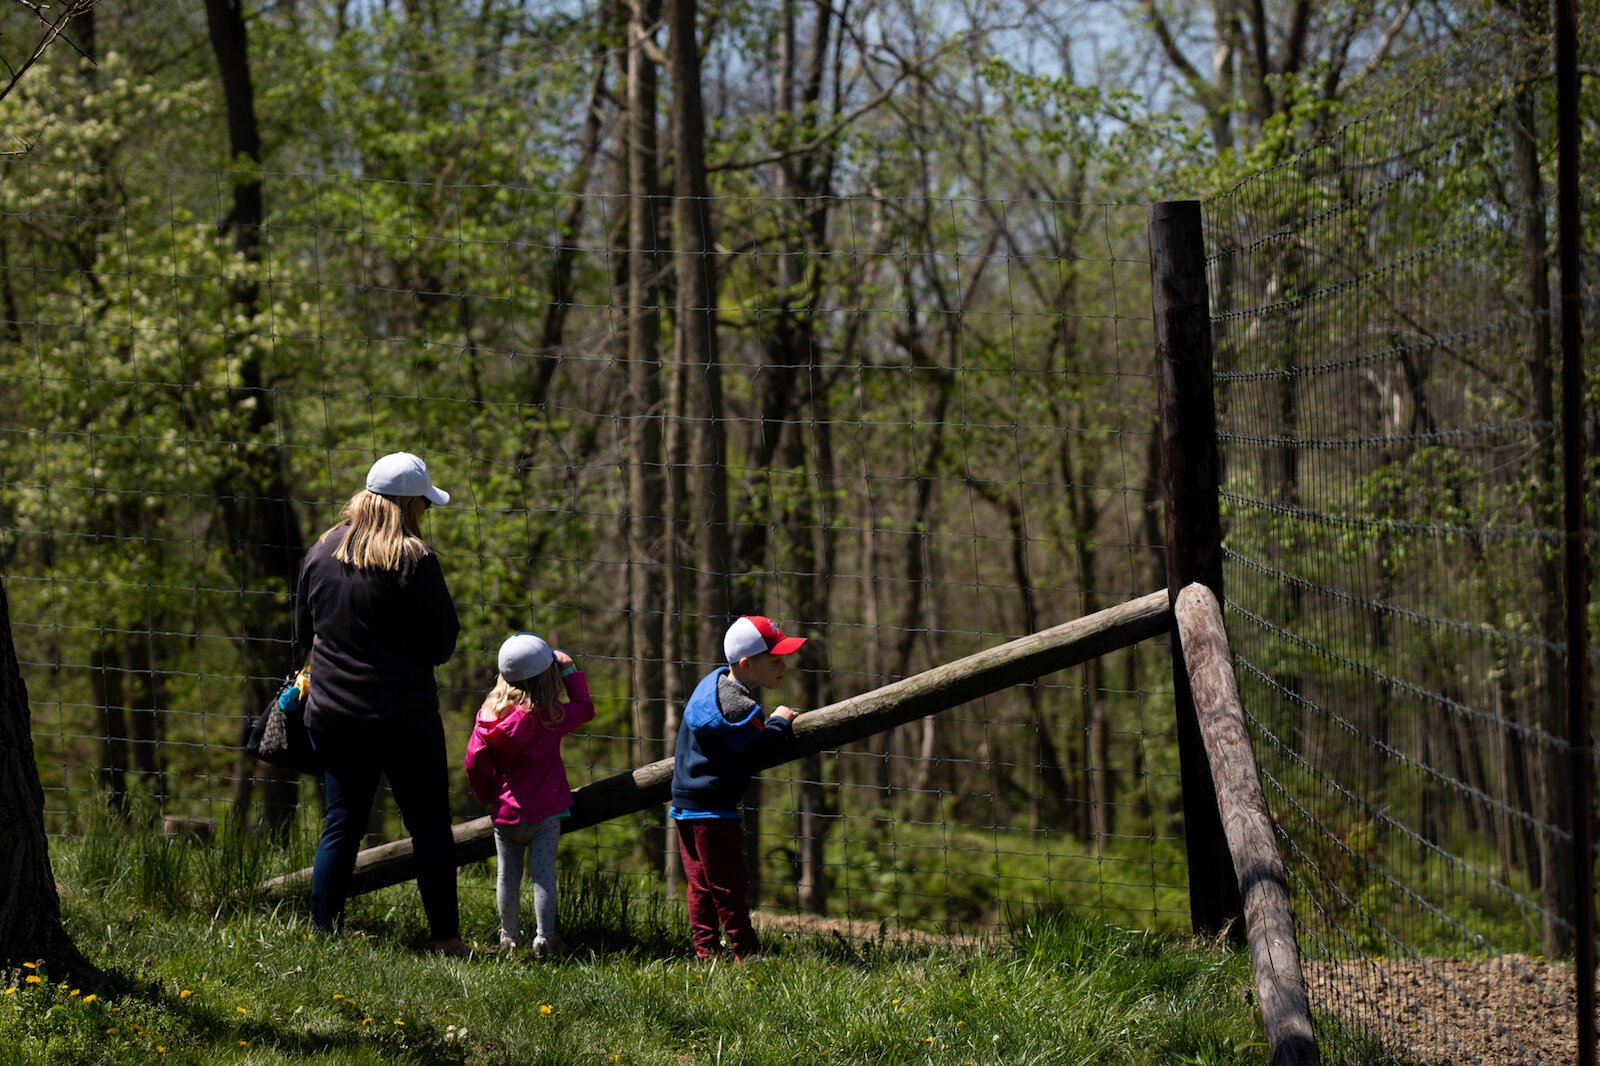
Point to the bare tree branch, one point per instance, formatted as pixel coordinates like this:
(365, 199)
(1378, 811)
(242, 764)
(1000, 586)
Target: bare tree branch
(50, 27)
(827, 134)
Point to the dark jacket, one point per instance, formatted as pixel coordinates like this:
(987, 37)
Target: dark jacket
(724, 739)
(375, 637)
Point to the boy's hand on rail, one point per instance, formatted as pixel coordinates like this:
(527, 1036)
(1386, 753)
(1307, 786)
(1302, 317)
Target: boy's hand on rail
(785, 712)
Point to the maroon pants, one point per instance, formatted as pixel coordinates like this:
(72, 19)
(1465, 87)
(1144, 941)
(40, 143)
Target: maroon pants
(713, 866)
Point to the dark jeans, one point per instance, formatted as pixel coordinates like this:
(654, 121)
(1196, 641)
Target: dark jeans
(411, 754)
(713, 867)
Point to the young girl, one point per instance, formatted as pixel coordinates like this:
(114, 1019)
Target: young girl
(514, 767)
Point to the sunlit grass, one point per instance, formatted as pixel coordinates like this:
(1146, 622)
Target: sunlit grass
(195, 982)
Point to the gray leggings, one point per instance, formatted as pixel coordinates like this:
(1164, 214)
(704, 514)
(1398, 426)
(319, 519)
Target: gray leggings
(539, 840)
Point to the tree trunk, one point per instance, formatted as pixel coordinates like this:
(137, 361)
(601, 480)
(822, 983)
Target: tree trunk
(30, 909)
(647, 528)
(253, 490)
(1549, 769)
(696, 278)
(105, 678)
(677, 659)
(813, 552)
(535, 388)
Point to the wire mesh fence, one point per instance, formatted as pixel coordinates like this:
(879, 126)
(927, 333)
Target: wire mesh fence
(1388, 418)
(937, 439)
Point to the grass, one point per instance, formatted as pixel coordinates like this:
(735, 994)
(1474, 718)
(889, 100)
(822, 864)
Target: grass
(200, 977)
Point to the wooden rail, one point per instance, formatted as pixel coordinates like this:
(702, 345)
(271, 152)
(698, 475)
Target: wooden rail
(1263, 885)
(826, 728)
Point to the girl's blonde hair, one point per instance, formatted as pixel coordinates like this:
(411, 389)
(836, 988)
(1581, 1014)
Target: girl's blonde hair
(542, 693)
(383, 531)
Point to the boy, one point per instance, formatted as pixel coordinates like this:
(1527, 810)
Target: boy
(724, 739)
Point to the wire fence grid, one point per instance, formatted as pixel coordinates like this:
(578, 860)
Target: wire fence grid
(1388, 411)
(958, 451)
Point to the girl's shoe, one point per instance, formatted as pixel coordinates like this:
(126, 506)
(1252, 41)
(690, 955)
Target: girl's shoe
(545, 947)
(507, 943)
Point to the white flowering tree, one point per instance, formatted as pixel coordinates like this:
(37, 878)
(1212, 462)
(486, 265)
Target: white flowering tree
(30, 909)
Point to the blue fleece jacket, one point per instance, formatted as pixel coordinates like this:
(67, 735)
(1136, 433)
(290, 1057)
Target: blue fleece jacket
(724, 739)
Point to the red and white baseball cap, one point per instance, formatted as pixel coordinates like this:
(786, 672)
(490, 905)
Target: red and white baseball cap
(752, 634)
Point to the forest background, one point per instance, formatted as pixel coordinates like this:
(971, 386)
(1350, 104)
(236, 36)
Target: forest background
(835, 312)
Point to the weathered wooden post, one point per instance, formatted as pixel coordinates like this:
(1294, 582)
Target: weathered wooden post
(1258, 869)
(1181, 302)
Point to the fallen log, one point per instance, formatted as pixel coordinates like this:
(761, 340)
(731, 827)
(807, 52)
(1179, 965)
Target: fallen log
(981, 674)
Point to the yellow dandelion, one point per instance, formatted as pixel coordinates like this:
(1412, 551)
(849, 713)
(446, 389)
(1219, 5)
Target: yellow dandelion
(30, 965)
(241, 1010)
(90, 998)
(894, 1002)
(186, 993)
(111, 1030)
(62, 986)
(77, 992)
(139, 1029)
(160, 1050)
(338, 995)
(366, 1021)
(11, 991)
(397, 1021)
(35, 979)
(244, 1043)
(927, 1040)
(546, 1009)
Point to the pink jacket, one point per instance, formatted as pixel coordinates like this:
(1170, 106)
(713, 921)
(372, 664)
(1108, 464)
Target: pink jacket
(514, 761)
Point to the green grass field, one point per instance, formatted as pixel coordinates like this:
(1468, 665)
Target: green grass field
(197, 975)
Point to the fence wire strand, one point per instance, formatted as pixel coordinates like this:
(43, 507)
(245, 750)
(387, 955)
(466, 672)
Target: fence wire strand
(929, 474)
(1389, 438)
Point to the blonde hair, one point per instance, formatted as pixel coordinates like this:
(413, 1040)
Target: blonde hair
(542, 694)
(382, 531)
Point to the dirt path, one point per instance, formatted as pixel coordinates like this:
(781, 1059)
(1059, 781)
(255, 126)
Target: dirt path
(1510, 1009)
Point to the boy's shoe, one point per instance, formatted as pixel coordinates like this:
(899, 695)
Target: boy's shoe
(544, 947)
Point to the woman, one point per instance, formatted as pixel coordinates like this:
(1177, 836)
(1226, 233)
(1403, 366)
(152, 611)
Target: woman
(373, 606)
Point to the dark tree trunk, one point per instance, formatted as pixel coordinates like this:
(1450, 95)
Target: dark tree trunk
(30, 909)
(1549, 769)
(105, 679)
(647, 526)
(696, 278)
(253, 491)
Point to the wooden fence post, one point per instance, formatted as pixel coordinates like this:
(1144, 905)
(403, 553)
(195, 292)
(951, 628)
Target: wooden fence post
(1257, 866)
(1181, 304)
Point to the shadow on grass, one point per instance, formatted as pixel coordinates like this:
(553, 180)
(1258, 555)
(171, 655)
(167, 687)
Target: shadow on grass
(201, 1027)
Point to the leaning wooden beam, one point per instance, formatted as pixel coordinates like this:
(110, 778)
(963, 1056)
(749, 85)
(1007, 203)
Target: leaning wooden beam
(1280, 986)
(939, 689)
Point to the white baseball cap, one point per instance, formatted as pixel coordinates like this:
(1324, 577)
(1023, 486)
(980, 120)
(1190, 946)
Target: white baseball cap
(403, 474)
(752, 635)
(524, 655)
